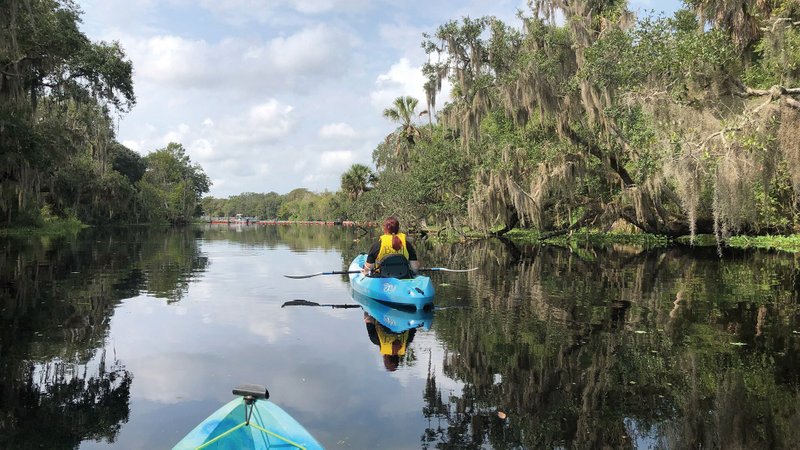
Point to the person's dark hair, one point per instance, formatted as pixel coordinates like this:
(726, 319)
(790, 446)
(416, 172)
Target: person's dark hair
(392, 225)
(391, 362)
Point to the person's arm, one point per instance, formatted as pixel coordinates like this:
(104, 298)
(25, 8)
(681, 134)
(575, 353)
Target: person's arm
(369, 321)
(370, 263)
(411, 333)
(367, 268)
(413, 262)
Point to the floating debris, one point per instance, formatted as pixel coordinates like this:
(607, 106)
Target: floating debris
(501, 415)
(739, 344)
(640, 332)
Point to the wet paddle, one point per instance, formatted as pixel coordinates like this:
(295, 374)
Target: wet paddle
(445, 269)
(344, 272)
(335, 272)
(301, 302)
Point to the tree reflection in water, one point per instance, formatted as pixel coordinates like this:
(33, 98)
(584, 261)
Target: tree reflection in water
(59, 405)
(558, 348)
(57, 385)
(619, 348)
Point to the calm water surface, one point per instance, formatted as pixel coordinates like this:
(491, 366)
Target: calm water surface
(128, 338)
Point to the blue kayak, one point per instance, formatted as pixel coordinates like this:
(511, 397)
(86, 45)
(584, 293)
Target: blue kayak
(395, 319)
(416, 292)
(249, 422)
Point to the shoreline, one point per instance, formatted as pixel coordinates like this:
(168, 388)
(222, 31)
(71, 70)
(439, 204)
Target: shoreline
(787, 243)
(783, 243)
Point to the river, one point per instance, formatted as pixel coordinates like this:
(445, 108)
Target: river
(127, 338)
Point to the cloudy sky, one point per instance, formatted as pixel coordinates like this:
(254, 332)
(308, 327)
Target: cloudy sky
(272, 95)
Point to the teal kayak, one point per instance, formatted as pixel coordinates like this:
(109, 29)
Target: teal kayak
(249, 422)
(396, 320)
(416, 292)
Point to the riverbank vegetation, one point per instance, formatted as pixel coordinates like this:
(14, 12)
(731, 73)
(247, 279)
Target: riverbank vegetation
(584, 117)
(579, 116)
(59, 159)
(675, 126)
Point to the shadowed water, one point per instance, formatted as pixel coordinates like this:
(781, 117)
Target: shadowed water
(128, 338)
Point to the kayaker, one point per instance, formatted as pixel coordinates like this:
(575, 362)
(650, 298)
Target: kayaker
(392, 242)
(392, 345)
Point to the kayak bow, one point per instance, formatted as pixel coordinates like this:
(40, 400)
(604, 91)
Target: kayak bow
(249, 422)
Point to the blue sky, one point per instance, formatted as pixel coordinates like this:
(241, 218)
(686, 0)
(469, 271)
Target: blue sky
(272, 95)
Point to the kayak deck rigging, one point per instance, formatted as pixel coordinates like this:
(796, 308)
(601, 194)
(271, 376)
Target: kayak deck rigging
(249, 422)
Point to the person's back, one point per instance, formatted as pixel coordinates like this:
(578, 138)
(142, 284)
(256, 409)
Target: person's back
(392, 249)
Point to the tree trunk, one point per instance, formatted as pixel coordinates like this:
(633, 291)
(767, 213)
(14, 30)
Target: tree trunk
(513, 221)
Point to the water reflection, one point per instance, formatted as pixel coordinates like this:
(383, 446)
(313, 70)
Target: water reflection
(623, 348)
(58, 386)
(392, 329)
(543, 347)
(57, 404)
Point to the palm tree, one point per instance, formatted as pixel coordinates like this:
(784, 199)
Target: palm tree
(741, 19)
(357, 180)
(403, 111)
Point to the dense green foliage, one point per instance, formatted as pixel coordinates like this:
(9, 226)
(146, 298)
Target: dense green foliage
(58, 154)
(299, 204)
(671, 125)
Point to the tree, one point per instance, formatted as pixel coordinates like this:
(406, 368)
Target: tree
(403, 111)
(127, 162)
(598, 118)
(56, 91)
(172, 185)
(357, 180)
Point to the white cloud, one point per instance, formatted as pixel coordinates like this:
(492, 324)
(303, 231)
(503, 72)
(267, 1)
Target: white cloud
(405, 38)
(401, 79)
(241, 12)
(202, 149)
(310, 51)
(317, 52)
(178, 135)
(172, 60)
(292, 89)
(133, 145)
(337, 131)
(321, 6)
(270, 114)
(336, 158)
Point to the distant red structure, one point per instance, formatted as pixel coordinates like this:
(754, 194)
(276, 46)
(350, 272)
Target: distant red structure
(254, 221)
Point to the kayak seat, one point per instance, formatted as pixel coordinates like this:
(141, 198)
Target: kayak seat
(394, 266)
(255, 391)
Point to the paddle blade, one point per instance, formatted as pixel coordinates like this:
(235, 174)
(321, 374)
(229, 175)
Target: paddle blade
(335, 272)
(297, 277)
(300, 302)
(445, 269)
